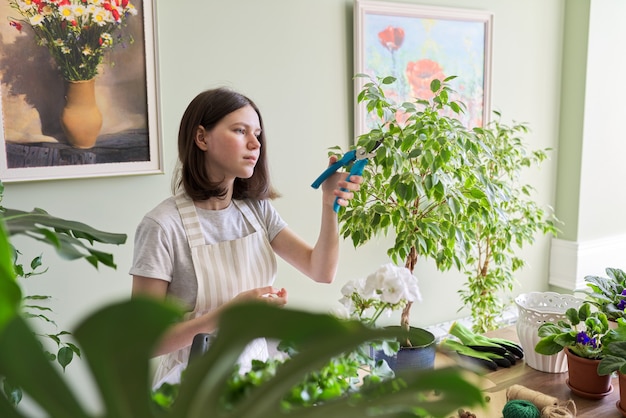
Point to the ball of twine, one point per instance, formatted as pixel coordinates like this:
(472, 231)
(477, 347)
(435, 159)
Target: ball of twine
(540, 400)
(549, 406)
(556, 412)
(519, 408)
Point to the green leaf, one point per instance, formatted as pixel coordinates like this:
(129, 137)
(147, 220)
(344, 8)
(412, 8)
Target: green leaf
(610, 364)
(548, 328)
(547, 346)
(67, 237)
(477, 193)
(35, 263)
(573, 317)
(435, 85)
(65, 356)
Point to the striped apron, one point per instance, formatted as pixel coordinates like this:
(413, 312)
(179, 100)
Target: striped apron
(223, 270)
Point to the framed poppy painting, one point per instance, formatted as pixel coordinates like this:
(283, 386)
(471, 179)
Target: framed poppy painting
(416, 44)
(79, 89)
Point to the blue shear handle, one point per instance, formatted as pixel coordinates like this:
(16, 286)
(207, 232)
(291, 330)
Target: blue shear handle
(347, 158)
(357, 170)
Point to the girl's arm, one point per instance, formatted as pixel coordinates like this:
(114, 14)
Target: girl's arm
(319, 262)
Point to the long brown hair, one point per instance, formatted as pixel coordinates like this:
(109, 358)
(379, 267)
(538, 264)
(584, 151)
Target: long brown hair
(207, 109)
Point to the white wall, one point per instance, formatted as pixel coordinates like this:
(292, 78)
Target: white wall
(601, 199)
(590, 173)
(294, 58)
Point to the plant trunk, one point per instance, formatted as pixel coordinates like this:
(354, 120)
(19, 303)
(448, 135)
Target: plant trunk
(410, 263)
(411, 259)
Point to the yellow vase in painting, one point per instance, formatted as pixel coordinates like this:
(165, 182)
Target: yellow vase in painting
(81, 119)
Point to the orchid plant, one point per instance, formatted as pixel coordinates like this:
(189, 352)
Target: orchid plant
(77, 33)
(387, 289)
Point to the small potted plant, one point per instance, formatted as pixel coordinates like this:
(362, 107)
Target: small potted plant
(390, 288)
(583, 335)
(608, 294)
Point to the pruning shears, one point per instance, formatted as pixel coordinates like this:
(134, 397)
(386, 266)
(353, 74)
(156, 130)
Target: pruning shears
(357, 157)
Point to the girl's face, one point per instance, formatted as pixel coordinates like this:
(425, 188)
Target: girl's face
(232, 147)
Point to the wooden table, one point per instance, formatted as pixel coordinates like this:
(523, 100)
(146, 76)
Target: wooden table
(553, 384)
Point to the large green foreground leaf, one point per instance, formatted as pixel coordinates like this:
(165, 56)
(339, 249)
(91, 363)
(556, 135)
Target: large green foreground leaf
(117, 342)
(318, 338)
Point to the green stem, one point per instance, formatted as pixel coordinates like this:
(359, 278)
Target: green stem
(377, 314)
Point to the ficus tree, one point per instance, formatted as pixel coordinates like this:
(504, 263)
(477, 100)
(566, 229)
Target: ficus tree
(442, 189)
(514, 219)
(424, 184)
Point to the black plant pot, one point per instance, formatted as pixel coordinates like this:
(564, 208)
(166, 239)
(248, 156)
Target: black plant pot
(421, 354)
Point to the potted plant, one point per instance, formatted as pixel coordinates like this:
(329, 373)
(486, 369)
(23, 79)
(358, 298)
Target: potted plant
(422, 184)
(608, 294)
(445, 191)
(583, 336)
(390, 288)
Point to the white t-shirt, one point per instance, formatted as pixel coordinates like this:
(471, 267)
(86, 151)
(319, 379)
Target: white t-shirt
(162, 252)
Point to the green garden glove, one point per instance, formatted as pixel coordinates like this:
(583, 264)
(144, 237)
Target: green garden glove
(484, 359)
(500, 346)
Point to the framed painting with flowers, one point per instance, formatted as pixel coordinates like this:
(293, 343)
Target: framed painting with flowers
(79, 89)
(416, 44)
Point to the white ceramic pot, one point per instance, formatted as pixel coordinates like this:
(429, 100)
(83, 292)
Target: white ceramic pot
(536, 308)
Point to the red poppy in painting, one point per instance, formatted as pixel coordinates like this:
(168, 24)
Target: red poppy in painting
(391, 38)
(420, 74)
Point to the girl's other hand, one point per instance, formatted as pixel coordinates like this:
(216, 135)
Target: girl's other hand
(267, 294)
